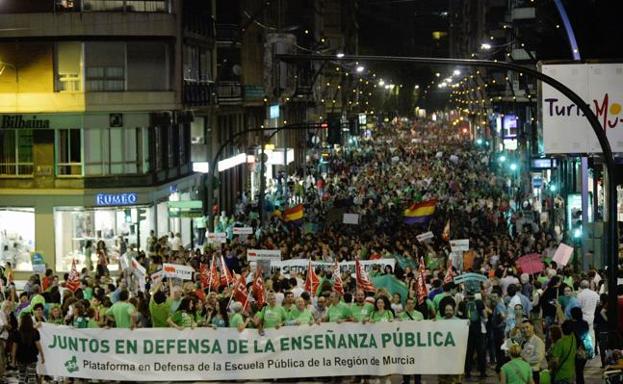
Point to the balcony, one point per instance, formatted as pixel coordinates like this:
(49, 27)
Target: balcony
(199, 93)
(42, 6)
(229, 92)
(254, 94)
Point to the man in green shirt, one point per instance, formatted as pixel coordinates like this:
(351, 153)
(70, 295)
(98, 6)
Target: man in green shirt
(410, 313)
(272, 315)
(360, 310)
(563, 354)
(338, 311)
(300, 314)
(122, 312)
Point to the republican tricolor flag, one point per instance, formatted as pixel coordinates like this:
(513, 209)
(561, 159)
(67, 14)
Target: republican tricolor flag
(419, 213)
(362, 279)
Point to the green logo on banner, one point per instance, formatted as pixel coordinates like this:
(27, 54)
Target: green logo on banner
(72, 365)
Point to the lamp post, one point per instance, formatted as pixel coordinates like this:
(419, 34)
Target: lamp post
(610, 192)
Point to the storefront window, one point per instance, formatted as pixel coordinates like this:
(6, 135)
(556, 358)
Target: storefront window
(78, 232)
(17, 237)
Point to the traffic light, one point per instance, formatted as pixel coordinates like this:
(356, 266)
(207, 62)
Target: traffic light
(142, 212)
(334, 122)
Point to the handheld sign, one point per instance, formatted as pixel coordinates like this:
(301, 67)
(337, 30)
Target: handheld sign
(425, 236)
(217, 237)
(263, 254)
(350, 218)
(178, 271)
(563, 254)
(460, 245)
(243, 231)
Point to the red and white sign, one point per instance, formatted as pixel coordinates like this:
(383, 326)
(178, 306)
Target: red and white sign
(178, 271)
(263, 254)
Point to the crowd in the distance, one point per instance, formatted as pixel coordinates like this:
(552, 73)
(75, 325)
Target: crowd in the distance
(528, 328)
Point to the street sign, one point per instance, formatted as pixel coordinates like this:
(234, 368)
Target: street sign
(185, 208)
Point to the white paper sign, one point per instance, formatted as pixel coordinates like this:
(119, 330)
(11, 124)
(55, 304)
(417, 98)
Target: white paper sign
(157, 277)
(217, 237)
(178, 271)
(243, 231)
(460, 245)
(563, 254)
(425, 236)
(300, 265)
(263, 254)
(138, 268)
(350, 218)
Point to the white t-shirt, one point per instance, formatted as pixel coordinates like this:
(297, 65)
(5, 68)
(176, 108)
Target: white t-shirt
(588, 300)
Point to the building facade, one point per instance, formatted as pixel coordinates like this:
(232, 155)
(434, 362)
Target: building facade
(99, 100)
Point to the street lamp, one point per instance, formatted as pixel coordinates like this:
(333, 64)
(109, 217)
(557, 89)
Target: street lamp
(485, 46)
(502, 159)
(381, 83)
(339, 55)
(513, 167)
(456, 72)
(359, 68)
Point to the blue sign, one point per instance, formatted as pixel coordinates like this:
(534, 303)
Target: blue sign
(273, 111)
(114, 199)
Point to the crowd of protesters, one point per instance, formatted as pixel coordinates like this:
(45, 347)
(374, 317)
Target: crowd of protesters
(541, 327)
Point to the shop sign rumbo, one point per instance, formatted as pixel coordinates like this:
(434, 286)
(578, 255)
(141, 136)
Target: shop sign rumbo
(114, 199)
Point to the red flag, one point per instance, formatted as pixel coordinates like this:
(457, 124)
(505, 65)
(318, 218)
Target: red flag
(204, 276)
(226, 277)
(449, 277)
(215, 281)
(258, 287)
(422, 291)
(363, 281)
(240, 291)
(73, 281)
(445, 235)
(338, 284)
(312, 281)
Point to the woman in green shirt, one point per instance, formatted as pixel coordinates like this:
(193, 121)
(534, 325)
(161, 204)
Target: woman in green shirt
(516, 371)
(56, 316)
(382, 311)
(237, 320)
(218, 317)
(183, 317)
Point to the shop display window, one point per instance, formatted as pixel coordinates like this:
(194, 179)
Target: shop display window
(17, 237)
(80, 231)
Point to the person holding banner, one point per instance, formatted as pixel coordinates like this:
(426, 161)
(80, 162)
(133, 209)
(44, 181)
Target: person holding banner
(382, 310)
(183, 316)
(272, 315)
(300, 314)
(237, 320)
(361, 310)
(338, 311)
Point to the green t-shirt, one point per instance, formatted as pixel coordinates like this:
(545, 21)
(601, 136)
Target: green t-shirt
(303, 317)
(122, 313)
(159, 313)
(92, 324)
(379, 317)
(517, 371)
(273, 316)
(182, 319)
(361, 312)
(337, 312)
(415, 315)
(81, 322)
(564, 350)
(236, 320)
(88, 293)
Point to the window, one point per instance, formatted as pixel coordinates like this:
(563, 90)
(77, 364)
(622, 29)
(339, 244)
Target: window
(68, 152)
(115, 151)
(205, 65)
(16, 152)
(68, 67)
(148, 68)
(191, 63)
(17, 237)
(105, 66)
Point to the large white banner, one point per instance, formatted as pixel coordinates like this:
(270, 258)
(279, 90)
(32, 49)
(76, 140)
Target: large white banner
(565, 129)
(347, 349)
(300, 265)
